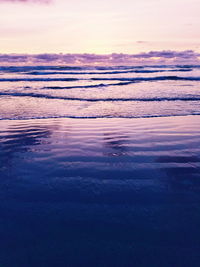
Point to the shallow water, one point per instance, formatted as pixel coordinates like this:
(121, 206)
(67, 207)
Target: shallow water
(100, 192)
(119, 189)
(97, 92)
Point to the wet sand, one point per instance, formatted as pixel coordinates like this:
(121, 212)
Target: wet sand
(100, 192)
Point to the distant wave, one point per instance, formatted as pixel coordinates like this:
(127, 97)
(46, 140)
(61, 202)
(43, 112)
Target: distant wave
(86, 86)
(32, 68)
(130, 79)
(140, 79)
(38, 79)
(98, 117)
(16, 69)
(20, 94)
(103, 73)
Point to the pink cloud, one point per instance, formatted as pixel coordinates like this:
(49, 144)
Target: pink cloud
(150, 58)
(27, 1)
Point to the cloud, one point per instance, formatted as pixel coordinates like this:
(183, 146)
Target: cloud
(26, 1)
(168, 54)
(150, 58)
(141, 42)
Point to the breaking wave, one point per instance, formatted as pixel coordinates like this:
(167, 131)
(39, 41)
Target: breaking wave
(130, 79)
(99, 92)
(19, 94)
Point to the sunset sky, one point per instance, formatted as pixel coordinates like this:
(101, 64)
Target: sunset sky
(101, 27)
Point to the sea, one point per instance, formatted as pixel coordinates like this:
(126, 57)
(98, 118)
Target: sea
(29, 92)
(100, 166)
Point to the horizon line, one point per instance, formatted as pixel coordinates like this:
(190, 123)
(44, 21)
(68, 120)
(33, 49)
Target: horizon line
(167, 57)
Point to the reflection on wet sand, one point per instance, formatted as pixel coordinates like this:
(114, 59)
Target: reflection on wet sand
(113, 193)
(186, 175)
(16, 141)
(115, 143)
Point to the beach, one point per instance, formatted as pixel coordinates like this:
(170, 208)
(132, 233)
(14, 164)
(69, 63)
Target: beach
(100, 192)
(99, 133)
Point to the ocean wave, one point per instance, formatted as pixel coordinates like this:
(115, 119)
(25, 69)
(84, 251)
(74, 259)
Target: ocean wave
(37, 68)
(141, 79)
(130, 79)
(98, 117)
(86, 86)
(17, 69)
(36, 95)
(38, 79)
(104, 72)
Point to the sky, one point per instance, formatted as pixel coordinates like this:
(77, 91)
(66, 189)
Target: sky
(94, 26)
(98, 26)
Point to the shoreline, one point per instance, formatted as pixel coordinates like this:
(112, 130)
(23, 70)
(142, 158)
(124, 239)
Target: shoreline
(114, 191)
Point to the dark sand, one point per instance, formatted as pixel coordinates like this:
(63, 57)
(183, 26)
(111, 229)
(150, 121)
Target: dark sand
(100, 192)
